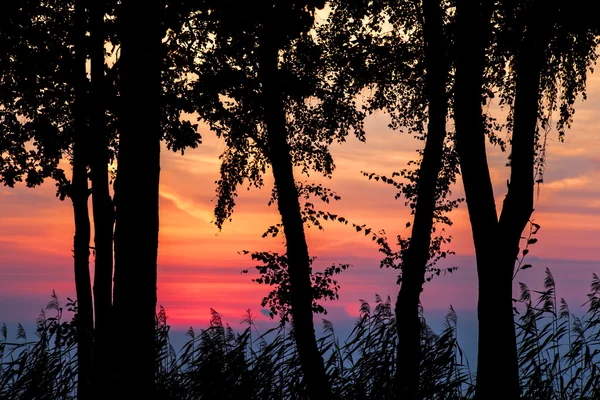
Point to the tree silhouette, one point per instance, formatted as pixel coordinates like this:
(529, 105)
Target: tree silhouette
(136, 194)
(43, 118)
(262, 83)
(280, 158)
(147, 106)
(49, 110)
(102, 204)
(79, 193)
(416, 257)
(533, 38)
(409, 74)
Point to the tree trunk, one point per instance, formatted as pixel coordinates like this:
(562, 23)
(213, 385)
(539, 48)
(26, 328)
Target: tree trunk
(81, 251)
(518, 204)
(414, 260)
(496, 241)
(79, 197)
(497, 337)
(102, 205)
(280, 157)
(496, 345)
(137, 197)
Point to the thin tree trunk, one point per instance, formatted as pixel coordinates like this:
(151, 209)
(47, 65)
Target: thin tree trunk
(81, 251)
(137, 197)
(414, 260)
(79, 196)
(279, 155)
(102, 205)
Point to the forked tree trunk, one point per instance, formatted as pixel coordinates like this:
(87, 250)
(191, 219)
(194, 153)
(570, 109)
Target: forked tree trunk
(517, 207)
(496, 240)
(137, 196)
(496, 344)
(102, 206)
(414, 260)
(288, 204)
(79, 196)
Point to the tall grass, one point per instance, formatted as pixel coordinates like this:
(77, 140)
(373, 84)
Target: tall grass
(558, 355)
(219, 363)
(43, 368)
(559, 352)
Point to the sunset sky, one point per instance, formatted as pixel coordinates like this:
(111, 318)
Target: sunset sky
(200, 266)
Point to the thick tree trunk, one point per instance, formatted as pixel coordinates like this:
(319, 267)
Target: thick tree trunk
(288, 204)
(79, 196)
(414, 260)
(496, 345)
(137, 197)
(102, 206)
(496, 320)
(517, 207)
(496, 241)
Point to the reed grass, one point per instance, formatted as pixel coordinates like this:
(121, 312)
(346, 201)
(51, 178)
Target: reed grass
(559, 355)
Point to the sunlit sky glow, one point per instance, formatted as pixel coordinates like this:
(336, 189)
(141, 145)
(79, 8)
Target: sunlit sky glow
(200, 266)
